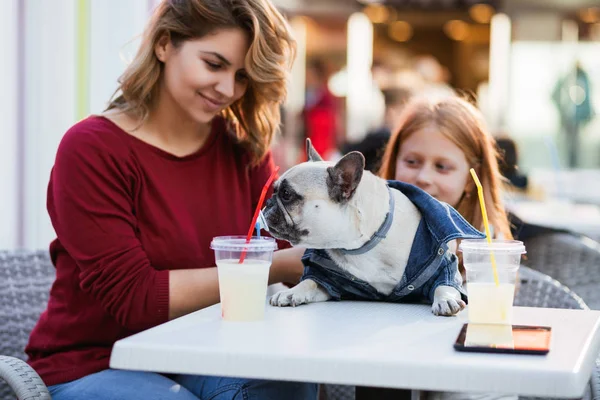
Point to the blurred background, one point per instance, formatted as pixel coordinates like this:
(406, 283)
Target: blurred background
(531, 66)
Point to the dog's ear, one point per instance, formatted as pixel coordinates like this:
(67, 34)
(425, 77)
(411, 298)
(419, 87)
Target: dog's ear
(345, 176)
(311, 152)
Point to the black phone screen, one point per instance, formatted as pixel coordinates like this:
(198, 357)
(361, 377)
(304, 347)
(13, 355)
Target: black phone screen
(515, 339)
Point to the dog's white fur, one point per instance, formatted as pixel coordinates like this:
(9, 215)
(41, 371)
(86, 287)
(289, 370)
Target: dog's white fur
(382, 266)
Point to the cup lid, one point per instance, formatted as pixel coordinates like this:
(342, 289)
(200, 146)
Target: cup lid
(497, 246)
(238, 243)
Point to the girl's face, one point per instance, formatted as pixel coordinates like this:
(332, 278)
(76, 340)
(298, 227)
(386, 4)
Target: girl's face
(206, 75)
(429, 160)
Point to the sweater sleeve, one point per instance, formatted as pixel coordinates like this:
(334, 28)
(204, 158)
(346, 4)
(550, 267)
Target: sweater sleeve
(90, 202)
(259, 175)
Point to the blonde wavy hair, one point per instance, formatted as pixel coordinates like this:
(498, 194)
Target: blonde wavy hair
(254, 118)
(463, 124)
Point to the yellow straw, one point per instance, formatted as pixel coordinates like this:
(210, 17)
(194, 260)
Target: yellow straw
(485, 223)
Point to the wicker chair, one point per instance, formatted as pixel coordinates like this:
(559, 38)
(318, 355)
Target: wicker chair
(25, 280)
(573, 260)
(536, 289)
(338, 392)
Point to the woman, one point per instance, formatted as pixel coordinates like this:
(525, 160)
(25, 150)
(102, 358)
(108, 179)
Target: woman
(136, 195)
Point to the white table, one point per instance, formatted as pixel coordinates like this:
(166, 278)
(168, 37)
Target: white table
(366, 344)
(578, 218)
(577, 185)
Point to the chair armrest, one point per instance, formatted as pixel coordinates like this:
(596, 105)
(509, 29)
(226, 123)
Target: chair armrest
(22, 379)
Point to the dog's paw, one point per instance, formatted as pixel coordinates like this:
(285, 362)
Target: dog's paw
(447, 307)
(305, 292)
(289, 297)
(447, 301)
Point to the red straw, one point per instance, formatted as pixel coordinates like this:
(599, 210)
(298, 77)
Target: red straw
(257, 211)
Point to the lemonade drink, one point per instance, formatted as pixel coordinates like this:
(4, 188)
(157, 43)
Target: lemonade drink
(490, 304)
(491, 292)
(243, 288)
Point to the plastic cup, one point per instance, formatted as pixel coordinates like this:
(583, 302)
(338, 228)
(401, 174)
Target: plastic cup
(243, 287)
(491, 303)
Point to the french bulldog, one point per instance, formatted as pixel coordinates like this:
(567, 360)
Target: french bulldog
(334, 206)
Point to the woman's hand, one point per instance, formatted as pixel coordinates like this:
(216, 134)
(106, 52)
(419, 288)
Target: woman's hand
(287, 266)
(191, 290)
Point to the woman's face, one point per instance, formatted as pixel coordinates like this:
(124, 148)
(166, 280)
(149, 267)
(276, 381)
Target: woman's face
(429, 160)
(206, 75)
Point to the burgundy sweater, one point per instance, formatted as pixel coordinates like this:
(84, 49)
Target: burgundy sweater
(125, 213)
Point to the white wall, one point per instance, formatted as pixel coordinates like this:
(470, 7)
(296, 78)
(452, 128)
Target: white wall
(114, 39)
(360, 96)
(49, 104)
(8, 125)
(51, 67)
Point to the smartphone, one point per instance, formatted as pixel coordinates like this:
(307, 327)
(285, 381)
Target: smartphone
(512, 339)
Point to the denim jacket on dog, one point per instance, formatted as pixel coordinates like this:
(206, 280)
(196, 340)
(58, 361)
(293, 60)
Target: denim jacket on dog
(430, 264)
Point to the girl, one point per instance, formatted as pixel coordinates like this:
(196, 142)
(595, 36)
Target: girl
(433, 147)
(137, 194)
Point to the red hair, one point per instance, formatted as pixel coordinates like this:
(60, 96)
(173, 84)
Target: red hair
(463, 124)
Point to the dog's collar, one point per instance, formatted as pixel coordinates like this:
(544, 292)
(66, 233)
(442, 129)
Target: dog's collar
(377, 236)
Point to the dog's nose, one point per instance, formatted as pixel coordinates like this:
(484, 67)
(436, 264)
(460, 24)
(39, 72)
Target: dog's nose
(269, 203)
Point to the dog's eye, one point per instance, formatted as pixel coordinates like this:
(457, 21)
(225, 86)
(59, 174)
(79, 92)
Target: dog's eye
(285, 194)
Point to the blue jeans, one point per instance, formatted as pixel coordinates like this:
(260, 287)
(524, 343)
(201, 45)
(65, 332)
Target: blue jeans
(112, 384)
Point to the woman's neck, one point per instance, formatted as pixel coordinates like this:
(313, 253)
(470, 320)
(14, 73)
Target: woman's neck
(170, 124)
(169, 128)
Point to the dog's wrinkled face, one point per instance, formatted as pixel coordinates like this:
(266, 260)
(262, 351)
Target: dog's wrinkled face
(309, 206)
